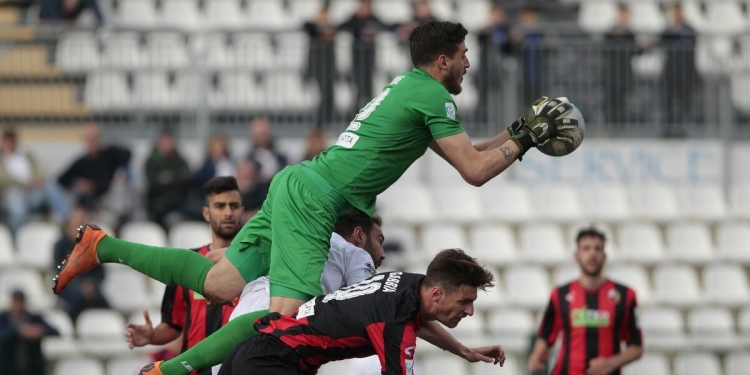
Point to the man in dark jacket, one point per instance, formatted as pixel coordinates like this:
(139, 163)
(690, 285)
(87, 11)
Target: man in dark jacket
(21, 336)
(169, 180)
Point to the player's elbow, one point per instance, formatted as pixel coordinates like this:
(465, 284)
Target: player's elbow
(475, 178)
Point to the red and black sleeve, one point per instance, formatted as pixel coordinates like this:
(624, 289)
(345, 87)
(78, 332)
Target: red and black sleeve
(173, 307)
(394, 344)
(552, 320)
(631, 331)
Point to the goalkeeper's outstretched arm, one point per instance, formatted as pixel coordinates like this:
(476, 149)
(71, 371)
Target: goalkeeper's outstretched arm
(476, 166)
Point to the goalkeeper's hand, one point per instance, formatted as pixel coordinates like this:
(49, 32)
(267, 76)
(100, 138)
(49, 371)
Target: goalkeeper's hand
(539, 124)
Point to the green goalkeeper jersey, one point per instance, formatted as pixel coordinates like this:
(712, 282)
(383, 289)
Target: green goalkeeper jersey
(387, 136)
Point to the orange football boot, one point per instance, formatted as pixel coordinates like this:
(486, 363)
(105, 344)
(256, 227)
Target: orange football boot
(83, 257)
(152, 369)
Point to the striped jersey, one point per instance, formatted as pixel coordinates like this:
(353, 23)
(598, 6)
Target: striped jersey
(594, 323)
(379, 315)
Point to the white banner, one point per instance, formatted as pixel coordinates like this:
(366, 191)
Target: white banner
(629, 162)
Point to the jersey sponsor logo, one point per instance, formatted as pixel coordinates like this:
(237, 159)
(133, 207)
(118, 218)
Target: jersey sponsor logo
(450, 111)
(187, 366)
(589, 318)
(614, 295)
(307, 309)
(410, 351)
(369, 270)
(391, 284)
(396, 80)
(362, 288)
(347, 140)
(409, 366)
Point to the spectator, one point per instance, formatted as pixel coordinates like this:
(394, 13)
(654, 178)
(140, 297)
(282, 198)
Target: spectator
(321, 64)
(680, 73)
(68, 10)
(84, 292)
(24, 187)
(218, 162)
(89, 177)
(494, 42)
(316, 144)
(252, 190)
(169, 180)
(21, 334)
(264, 152)
(530, 37)
(364, 25)
(421, 13)
(618, 75)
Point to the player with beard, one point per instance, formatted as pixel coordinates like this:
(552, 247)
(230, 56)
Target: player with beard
(289, 238)
(595, 315)
(183, 310)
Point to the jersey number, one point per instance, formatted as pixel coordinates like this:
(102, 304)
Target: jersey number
(367, 110)
(365, 287)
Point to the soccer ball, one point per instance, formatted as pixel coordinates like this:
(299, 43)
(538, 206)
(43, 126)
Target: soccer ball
(570, 134)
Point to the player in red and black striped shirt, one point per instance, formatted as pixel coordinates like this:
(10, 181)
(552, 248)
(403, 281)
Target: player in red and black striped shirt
(380, 315)
(183, 310)
(595, 315)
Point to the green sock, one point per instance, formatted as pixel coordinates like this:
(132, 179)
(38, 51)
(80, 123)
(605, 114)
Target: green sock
(168, 265)
(212, 350)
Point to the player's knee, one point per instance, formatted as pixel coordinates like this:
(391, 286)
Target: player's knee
(222, 286)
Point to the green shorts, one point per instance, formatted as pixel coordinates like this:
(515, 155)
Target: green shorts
(289, 238)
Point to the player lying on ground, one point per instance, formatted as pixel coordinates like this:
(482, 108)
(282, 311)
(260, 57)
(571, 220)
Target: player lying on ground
(356, 251)
(590, 304)
(380, 315)
(289, 237)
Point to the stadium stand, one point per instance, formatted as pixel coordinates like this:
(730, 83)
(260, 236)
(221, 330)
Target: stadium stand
(682, 244)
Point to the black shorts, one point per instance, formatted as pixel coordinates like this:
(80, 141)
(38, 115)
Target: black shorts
(261, 355)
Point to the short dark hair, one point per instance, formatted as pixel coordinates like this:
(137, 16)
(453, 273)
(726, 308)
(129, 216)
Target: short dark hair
(218, 185)
(435, 38)
(591, 232)
(347, 222)
(452, 268)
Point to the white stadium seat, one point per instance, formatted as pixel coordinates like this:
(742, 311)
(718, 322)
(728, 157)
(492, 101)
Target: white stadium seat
(558, 203)
(640, 242)
(167, 50)
(513, 327)
(390, 56)
(654, 202)
(725, 17)
(143, 232)
(392, 11)
(494, 244)
(733, 240)
(101, 332)
(107, 91)
(180, 14)
(123, 51)
(544, 243)
(136, 317)
(740, 87)
(443, 364)
(64, 345)
(152, 90)
(512, 366)
(237, 90)
(597, 16)
(712, 328)
(690, 242)
(189, 234)
(443, 9)
(134, 297)
(469, 11)
(38, 295)
(740, 200)
(566, 273)
(743, 322)
(78, 52)
(8, 253)
(137, 14)
(292, 50)
(646, 17)
(253, 51)
(189, 89)
(343, 45)
(726, 285)
(36, 242)
(156, 291)
(459, 204)
(223, 14)
(341, 10)
(635, 277)
(492, 298)
(676, 285)
(440, 172)
(737, 363)
(287, 91)
(301, 11)
(79, 366)
(437, 237)
(409, 203)
(702, 203)
(470, 329)
(694, 16)
(267, 15)
(608, 203)
(527, 286)
(213, 50)
(126, 365)
(649, 363)
(663, 329)
(697, 363)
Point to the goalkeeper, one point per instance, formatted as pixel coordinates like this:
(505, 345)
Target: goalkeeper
(288, 239)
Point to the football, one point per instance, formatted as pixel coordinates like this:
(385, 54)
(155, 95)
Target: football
(570, 135)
